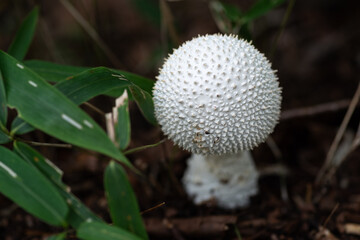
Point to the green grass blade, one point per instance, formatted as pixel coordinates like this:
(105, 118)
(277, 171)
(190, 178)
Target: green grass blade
(24, 36)
(144, 83)
(28, 188)
(60, 236)
(122, 201)
(3, 104)
(19, 126)
(53, 72)
(149, 9)
(44, 107)
(91, 83)
(97, 231)
(4, 138)
(78, 213)
(145, 103)
(122, 126)
(37, 160)
(232, 11)
(260, 8)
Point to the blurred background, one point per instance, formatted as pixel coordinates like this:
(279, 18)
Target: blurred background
(317, 57)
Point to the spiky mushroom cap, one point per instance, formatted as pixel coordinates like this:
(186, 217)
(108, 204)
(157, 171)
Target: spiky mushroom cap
(217, 94)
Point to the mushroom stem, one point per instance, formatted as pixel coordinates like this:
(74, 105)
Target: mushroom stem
(229, 179)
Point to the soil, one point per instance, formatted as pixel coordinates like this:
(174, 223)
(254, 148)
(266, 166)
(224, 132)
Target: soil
(318, 63)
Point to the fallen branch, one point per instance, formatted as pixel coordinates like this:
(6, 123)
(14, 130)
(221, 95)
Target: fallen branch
(328, 164)
(204, 227)
(314, 110)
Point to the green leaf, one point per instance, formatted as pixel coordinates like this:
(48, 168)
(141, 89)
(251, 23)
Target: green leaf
(96, 81)
(260, 8)
(122, 201)
(231, 19)
(51, 171)
(91, 83)
(117, 92)
(143, 83)
(145, 103)
(3, 104)
(231, 11)
(19, 126)
(47, 109)
(4, 138)
(245, 32)
(122, 125)
(53, 72)
(24, 36)
(226, 16)
(60, 236)
(149, 9)
(28, 188)
(78, 213)
(96, 231)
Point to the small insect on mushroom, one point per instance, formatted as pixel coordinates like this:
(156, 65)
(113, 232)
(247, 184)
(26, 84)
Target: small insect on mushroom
(227, 86)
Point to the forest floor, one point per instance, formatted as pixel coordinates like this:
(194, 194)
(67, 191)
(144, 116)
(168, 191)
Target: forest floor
(318, 63)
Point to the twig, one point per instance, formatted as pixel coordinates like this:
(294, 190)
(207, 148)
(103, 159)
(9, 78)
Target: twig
(356, 141)
(143, 147)
(49, 42)
(274, 169)
(167, 23)
(331, 214)
(309, 193)
(153, 208)
(59, 145)
(344, 149)
(221, 20)
(282, 27)
(279, 169)
(316, 109)
(94, 108)
(270, 141)
(197, 227)
(174, 180)
(92, 33)
(319, 109)
(274, 148)
(175, 232)
(329, 157)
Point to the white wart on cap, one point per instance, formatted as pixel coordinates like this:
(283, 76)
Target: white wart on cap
(217, 94)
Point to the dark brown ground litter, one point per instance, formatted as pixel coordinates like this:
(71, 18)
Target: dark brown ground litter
(318, 59)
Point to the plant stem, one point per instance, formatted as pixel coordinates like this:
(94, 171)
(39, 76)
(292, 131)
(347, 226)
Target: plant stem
(153, 208)
(331, 214)
(92, 33)
(282, 27)
(315, 109)
(94, 108)
(334, 146)
(59, 145)
(143, 147)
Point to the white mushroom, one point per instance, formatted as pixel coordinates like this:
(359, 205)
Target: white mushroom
(216, 95)
(229, 179)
